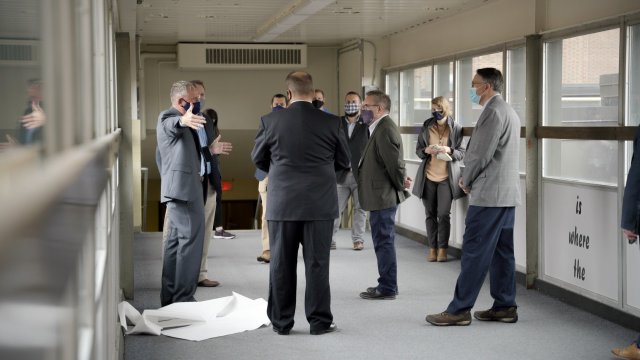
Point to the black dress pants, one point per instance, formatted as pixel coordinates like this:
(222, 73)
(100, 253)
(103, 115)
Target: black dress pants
(284, 238)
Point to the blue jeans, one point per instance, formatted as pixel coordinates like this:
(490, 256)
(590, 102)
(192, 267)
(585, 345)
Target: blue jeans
(383, 234)
(487, 246)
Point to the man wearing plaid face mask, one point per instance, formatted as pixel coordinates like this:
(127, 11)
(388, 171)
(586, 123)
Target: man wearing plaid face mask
(357, 135)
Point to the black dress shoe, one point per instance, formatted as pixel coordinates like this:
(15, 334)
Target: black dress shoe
(373, 289)
(376, 295)
(333, 327)
(281, 332)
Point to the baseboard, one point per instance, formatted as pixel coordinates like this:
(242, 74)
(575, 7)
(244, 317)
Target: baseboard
(587, 304)
(568, 297)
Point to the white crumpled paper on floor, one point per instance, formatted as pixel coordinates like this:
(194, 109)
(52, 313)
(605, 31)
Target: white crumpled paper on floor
(197, 320)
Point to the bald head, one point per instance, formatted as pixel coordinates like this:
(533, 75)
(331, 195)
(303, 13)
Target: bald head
(300, 84)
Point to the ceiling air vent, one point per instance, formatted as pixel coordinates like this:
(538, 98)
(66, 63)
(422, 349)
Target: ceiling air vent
(19, 52)
(241, 56)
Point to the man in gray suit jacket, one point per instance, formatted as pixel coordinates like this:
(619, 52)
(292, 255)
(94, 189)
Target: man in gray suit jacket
(382, 184)
(301, 148)
(491, 179)
(178, 158)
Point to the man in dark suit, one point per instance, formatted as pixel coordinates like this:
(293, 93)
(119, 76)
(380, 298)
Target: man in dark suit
(382, 184)
(357, 136)
(179, 162)
(301, 148)
(491, 179)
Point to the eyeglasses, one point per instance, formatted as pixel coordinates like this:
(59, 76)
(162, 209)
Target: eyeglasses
(366, 106)
(477, 83)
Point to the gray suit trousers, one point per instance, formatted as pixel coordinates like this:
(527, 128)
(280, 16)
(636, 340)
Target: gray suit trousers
(182, 252)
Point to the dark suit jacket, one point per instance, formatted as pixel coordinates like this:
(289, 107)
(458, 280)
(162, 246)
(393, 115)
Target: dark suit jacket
(382, 170)
(301, 148)
(631, 198)
(357, 142)
(178, 159)
(215, 178)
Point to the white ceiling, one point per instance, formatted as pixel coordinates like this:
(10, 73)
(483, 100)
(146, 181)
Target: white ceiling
(172, 21)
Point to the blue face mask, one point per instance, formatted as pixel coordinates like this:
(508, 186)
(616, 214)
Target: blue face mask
(277, 108)
(437, 115)
(475, 98)
(196, 107)
(366, 116)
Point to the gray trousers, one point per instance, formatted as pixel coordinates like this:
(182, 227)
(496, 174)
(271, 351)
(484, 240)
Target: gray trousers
(350, 188)
(182, 251)
(437, 205)
(209, 215)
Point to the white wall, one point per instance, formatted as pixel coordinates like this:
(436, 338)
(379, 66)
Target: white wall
(498, 22)
(240, 97)
(493, 23)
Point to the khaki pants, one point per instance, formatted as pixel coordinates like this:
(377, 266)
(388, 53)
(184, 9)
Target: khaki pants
(262, 189)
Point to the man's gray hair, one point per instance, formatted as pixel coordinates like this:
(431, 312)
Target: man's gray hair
(381, 99)
(180, 89)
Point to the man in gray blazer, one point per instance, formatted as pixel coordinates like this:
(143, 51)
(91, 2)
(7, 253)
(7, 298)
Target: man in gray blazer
(382, 184)
(178, 158)
(301, 148)
(491, 179)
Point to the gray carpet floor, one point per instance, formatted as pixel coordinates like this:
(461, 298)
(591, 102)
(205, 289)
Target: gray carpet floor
(547, 328)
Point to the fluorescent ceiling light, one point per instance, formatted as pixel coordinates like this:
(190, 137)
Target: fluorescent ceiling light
(294, 14)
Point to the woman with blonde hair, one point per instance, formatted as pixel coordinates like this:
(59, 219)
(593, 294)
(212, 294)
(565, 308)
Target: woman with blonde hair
(440, 148)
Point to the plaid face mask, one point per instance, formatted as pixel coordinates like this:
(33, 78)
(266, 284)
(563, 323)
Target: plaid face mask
(351, 109)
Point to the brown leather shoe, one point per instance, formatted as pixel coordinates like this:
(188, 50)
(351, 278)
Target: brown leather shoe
(358, 245)
(630, 352)
(432, 255)
(208, 283)
(442, 255)
(506, 315)
(265, 257)
(446, 319)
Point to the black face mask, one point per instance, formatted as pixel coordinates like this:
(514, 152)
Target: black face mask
(317, 103)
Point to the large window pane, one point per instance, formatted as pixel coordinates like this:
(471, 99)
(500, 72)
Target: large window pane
(409, 142)
(633, 88)
(586, 160)
(415, 96)
(581, 80)
(516, 87)
(392, 83)
(20, 70)
(468, 113)
(443, 82)
(633, 84)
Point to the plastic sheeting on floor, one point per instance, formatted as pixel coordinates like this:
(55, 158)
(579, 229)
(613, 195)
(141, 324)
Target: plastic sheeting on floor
(197, 321)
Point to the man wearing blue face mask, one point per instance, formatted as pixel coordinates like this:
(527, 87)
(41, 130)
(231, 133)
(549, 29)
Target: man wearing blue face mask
(278, 103)
(209, 147)
(491, 180)
(357, 135)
